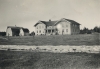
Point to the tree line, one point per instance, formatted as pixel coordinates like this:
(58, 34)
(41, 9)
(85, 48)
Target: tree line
(85, 30)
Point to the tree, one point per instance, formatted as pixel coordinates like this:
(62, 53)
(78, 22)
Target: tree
(99, 29)
(89, 31)
(85, 30)
(96, 29)
(32, 33)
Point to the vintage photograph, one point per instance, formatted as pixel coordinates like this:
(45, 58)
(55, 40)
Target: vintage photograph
(49, 34)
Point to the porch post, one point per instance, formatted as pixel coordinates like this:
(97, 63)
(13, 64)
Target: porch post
(47, 31)
(51, 31)
(55, 30)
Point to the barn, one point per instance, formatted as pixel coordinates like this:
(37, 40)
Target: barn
(16, 31)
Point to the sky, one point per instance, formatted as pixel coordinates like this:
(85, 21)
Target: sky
(25, 13)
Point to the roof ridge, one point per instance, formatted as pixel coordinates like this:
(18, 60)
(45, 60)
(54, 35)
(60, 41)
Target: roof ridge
(51, 23)
(15, 26)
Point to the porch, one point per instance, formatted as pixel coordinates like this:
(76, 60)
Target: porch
(51, 31)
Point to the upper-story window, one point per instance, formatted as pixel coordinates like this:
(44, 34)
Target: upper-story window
(37, 27)
(37, 31)
(75, 25)
(62, 30)
(66, 25)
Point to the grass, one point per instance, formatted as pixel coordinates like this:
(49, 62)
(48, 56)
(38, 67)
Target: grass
(86, 39)
(38, 60)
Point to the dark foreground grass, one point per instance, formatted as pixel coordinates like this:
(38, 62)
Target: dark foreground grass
(40, 60)
(86, 39)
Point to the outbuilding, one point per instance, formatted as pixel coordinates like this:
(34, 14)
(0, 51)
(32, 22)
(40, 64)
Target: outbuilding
(16, 31)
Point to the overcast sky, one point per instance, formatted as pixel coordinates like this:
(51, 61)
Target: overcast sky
(25, 13)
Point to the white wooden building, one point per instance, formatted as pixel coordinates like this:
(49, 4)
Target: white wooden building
(59, 27)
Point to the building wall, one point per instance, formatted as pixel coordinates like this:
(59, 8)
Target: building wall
(26, 34)
(63, 28)
(40, 29)
(8, 32)
(21, 32)
(75, 29)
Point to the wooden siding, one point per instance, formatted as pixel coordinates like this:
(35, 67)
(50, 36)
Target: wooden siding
(8, 32)
(40, 29)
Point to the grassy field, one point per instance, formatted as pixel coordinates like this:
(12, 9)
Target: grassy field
(38, 60)
(86, 39)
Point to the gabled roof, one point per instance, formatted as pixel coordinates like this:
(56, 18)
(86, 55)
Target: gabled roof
(49, 23)
(17, 29)
(52, 23)
(72, 21)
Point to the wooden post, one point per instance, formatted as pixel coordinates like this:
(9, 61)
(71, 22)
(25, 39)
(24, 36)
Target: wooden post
(47, 31)
(62, 31)
(51, 31)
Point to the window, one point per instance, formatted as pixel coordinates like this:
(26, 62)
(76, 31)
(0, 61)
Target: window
(37, 31)
(62, 30)
(66, 25)
(37, 27)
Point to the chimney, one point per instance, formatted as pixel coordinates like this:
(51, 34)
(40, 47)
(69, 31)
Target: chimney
(49, 20)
